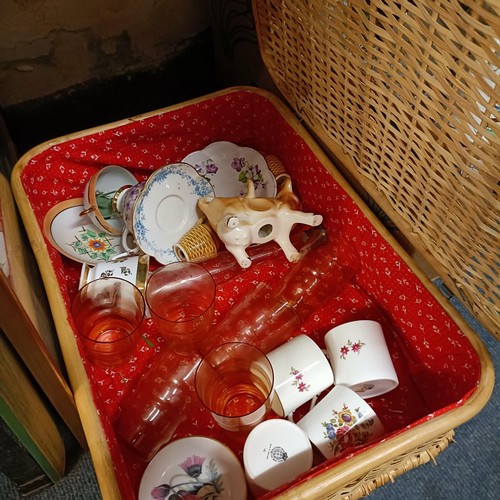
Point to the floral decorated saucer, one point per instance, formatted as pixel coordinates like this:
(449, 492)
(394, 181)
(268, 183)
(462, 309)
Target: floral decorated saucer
(229, 166)
(194, 467)
(166, 208)
(76, 237)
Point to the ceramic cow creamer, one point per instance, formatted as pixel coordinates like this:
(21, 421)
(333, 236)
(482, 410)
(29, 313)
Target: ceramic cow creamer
(243, 221)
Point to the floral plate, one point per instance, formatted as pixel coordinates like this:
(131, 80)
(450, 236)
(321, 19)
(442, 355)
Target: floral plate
(76, 237)
(228, 167)
(166, 208)
(194, 467)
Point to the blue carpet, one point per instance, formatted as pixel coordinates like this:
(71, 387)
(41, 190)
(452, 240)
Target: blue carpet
(469, 469)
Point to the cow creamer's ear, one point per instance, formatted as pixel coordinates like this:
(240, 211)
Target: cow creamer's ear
(286, 186)
(207, 199)
(231, 221)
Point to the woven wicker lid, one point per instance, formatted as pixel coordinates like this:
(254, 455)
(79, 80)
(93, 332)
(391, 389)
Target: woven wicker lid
(405, 97)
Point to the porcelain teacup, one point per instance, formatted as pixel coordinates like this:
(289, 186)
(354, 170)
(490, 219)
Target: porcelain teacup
(125, 204)
(99, 197)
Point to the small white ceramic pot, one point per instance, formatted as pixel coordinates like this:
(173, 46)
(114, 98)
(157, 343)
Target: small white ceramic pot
(275, 452)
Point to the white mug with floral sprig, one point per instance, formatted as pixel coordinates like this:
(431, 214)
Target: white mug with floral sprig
(301, 372)
(360, 358)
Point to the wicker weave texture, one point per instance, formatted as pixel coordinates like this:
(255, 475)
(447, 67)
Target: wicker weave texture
(390, 470)
(200, 243)
(336, 487)
(406, 95)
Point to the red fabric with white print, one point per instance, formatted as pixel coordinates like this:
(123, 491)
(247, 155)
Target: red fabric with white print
(435, 362)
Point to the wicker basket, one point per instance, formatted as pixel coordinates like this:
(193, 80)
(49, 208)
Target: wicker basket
(258, 119)
(382, 473)
(404, 95)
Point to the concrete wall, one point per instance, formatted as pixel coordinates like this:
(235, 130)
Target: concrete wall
(51, 45)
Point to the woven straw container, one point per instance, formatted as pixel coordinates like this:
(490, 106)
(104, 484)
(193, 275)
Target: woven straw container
(200, 243)
(405, 98)
(387, 287)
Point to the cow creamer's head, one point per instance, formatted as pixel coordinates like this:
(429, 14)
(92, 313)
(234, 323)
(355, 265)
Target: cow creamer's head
(216, 208)
(213, 208)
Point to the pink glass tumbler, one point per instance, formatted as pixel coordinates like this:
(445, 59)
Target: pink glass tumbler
(107, 314)
(235, 382)
(181, 299)
(159, 405)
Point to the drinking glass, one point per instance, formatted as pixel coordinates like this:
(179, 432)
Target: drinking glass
(107, 314)
(268, 315)
(319, 276)
(235, 382)
(181, 300)
(159, 403)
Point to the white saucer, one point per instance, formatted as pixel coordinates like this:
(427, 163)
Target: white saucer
(228, 166)
(167, 208)
(198, 465)
(76, 237)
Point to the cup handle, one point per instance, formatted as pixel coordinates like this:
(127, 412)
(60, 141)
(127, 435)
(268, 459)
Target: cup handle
(312, 404)
(130, 250)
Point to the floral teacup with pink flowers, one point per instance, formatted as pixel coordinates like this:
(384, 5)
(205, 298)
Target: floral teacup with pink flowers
(301, 372)
(360, 358)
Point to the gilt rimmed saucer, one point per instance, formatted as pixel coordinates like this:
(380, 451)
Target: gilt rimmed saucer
(74, 235)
